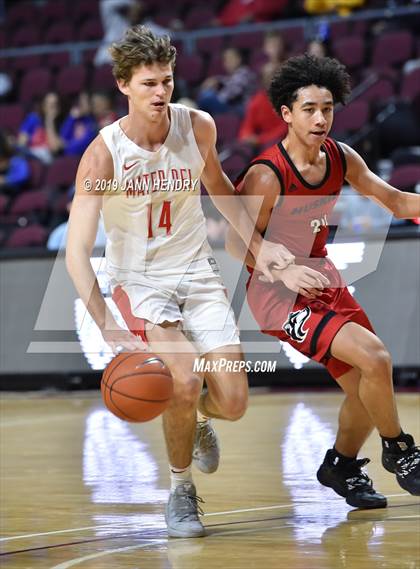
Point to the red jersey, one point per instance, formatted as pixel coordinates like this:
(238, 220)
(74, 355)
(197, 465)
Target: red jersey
(299, 219)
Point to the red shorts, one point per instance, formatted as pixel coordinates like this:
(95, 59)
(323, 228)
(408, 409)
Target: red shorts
(308, 325)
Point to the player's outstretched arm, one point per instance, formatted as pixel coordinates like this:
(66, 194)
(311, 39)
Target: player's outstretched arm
(261, 182)
(96, 164)
(403, 205)
(221, 191)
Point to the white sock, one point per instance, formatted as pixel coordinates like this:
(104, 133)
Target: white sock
(179, 476)
(201, 418)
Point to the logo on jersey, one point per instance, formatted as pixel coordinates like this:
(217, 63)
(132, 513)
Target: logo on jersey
(213, 264)
(294, 324)
(129, 166)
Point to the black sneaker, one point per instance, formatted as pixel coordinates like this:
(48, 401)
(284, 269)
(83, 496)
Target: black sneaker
(403, 459)
(350, 481)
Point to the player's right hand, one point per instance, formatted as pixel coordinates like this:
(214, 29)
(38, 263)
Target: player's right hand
(303, 280)
(121, 340)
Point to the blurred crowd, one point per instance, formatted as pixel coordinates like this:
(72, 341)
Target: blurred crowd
(226, 76)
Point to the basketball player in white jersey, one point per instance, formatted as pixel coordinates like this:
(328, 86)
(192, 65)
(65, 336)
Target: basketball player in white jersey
(143, 172)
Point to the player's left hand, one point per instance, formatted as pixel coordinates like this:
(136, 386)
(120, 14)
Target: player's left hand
(272, 256)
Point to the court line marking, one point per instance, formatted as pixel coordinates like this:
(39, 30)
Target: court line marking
(123, 525)
(25, 422)
(228, 533)
(79, 560)
(23, 536)
(73, 562)
(401, 518)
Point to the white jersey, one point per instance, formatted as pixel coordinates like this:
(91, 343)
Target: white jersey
(152, 212)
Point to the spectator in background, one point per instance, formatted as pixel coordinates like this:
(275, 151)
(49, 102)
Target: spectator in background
(102, 109)
(229, 92)
(261, 124)
(317, 48)
(241, 11)
(79, 128)
(39, 132)
(342, 7)
(116, 17)
(14, 169)
(274, 48)
(57, 239)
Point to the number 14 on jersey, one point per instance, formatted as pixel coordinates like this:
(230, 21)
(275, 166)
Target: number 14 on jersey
(164, 218)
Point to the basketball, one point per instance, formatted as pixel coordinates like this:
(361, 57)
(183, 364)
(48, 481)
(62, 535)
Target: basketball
(137, 386)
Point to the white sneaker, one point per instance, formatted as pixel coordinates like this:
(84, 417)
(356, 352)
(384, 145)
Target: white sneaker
(182, 512)
(206, 453)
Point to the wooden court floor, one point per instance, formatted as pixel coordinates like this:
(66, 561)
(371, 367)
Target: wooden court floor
(80, 488)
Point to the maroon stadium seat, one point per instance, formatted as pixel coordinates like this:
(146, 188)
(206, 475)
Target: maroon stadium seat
(82, 10)
(210, 45)
(35, 83)
(351, 117)
(28, 202)
(25, 36)
(165, 17)
(91, 30)
(199, 17)
(189, 68)
(32, 235)
(89, 55)
(71, 80)
(249, 40)
(293, 36)
(60, 32)
(25, 62)
(54, 11)
(410, 87)
(22, 13)
(405, 177)
(392, 48)
(257, 60)
(234, 165)
(227, 128)
(380, 91)
(58, 60)
(102, 78)
(62, 172)
(37, 173)
(11, 116)
(216, 65)
(4, 200)
(350, 51)
(345, 28)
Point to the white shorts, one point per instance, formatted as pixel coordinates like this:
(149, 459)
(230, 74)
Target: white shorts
(200, 305)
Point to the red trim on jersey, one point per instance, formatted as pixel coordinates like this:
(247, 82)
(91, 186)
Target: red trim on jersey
(135, 325)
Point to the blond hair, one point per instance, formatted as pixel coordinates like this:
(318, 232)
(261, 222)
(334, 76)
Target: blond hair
(140, 46)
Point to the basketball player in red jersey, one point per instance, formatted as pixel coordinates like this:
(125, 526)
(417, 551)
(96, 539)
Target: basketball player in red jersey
(309, 306)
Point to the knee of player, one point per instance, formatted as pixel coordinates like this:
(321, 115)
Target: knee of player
(378, 362)
(187, 389)
(233, 409)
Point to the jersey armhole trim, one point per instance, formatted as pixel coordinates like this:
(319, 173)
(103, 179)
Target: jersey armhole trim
(268, 163)
(274, 169)
(343, 158)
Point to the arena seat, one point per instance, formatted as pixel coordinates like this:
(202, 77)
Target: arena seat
(32, 235)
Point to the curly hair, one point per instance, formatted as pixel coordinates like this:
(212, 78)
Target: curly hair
(305, 70)
(140, 46)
